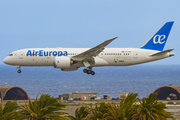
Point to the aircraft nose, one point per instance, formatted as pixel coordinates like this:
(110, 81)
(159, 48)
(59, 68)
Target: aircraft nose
(6, 61)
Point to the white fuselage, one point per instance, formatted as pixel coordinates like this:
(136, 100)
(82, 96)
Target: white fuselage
(108, 57)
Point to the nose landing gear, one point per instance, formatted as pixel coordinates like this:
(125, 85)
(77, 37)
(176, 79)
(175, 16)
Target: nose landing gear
(89, 71)
(17, 66)
(19, 71)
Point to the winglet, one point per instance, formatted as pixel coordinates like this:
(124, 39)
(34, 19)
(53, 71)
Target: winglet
(158, 40)
(105, 43)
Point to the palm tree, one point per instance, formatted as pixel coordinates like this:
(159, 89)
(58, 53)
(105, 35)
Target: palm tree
(80, 113)
(9, 111)
(97, 113)
(123, 111)
(150, 109)
(42, 108)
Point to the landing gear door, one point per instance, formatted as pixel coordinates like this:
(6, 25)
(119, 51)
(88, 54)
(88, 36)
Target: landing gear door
(135, 54)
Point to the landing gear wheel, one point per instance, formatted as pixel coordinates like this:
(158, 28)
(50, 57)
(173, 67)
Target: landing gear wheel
(88, 71)
(19, 71)
(85, 70)
(92, 72)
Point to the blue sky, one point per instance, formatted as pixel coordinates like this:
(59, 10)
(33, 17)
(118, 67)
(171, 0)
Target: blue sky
(86, 23)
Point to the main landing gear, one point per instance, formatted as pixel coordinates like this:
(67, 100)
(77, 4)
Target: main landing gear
(19, 71)
(89, 71)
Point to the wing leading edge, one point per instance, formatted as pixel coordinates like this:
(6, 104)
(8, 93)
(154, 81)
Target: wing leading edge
(92, 52)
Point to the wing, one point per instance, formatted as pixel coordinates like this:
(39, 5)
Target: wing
(93, 52)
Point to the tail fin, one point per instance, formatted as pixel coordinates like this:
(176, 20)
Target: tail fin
(158, 40)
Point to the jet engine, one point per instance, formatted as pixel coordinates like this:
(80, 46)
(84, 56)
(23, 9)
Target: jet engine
(62, 62)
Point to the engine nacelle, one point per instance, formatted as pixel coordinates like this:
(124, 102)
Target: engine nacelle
(69, 69)
(62, 62)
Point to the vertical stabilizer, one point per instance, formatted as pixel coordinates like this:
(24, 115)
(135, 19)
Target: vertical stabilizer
(158, 40)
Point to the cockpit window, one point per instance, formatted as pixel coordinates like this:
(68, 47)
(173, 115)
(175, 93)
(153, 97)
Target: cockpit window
(10, 55)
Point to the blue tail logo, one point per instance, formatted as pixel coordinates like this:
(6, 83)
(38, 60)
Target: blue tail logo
(158, 40)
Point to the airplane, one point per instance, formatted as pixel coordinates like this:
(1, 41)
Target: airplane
(70, 59)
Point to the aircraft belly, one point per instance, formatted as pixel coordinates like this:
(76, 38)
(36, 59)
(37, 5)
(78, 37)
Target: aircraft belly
(116, 61)
(100, 62)
(35, 61)
(142, 58)
(121, 60)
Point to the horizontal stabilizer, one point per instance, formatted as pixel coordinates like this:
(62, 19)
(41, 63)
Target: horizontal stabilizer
(161, 52)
